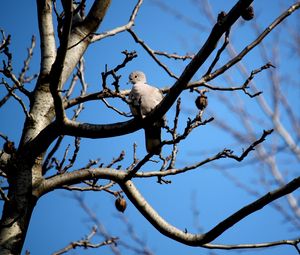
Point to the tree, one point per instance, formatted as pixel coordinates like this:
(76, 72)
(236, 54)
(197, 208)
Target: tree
(32, 170)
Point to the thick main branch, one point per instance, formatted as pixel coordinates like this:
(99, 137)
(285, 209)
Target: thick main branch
(200, 239)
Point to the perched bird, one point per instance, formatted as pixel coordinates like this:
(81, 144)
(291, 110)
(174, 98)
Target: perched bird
(143, 99)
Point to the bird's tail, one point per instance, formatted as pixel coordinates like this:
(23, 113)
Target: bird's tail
(153, 139)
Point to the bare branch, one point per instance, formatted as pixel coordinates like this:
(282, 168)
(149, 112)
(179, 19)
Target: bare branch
(138, 166)
(75, 153)
(90, 187)
(129, 56)
(96, 96)
(121, 128)
(138, 240)
(250, 148)
(201, 239)
(46, 165)
(174, 55)
(150, 52)
(174, 135)
(47, 40)
(249, 47)
(223, 154)
(86, 243)
(190, 126)
(57, 68)
(253, 73)
(226, 41)
(294, 243)
(8, 68)
(100, 227)
(25, 68)
(115, 109)
(116, 160)
(3, 195)
(19, 100)
(122, 28)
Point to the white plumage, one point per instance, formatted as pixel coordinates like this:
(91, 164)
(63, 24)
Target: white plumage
(143, 99)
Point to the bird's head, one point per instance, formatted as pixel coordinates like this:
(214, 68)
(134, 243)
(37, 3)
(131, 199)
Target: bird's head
(137, 76)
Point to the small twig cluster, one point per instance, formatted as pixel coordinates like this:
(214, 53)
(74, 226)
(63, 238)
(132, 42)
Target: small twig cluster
(86, 243)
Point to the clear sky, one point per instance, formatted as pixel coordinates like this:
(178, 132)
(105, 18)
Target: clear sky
(58, 218)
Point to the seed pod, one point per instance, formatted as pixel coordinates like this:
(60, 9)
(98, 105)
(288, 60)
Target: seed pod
(120, 204)
(201, 102)
(248, 13)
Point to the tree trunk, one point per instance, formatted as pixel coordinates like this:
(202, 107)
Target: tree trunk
(19, 206)
(24, 173)
(24, 170)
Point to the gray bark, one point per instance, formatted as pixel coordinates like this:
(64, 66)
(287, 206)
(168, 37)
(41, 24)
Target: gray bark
(24, 168)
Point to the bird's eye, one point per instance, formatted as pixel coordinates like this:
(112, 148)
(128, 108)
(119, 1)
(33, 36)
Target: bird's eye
(135, 76)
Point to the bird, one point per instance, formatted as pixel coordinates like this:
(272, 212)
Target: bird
(143, 98)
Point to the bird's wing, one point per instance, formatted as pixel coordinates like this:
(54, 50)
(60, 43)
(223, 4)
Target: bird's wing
(144, 98)
(150, 98)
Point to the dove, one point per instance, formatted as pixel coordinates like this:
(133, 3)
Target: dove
(143, 99)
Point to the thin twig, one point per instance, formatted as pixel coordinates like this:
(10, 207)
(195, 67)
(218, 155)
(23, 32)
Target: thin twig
(115, 109)
(86, 243)
(174, 55)
(3, 195)
(129, 56)
(100, 227)
(74, 157)
(250, 148)
(138, 166)
(27, 61)
(151, 53)
(11, 92)
(116, 160)
(174, 135)
(97, 37)
(216, 59)
(46, 165)
(253, 44)
(90, 187)
(223, 154)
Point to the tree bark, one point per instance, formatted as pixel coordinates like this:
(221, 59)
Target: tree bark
(24, 168)
(18, 209)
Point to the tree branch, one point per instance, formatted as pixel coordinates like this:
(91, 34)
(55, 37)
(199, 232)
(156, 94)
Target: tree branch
(121, 28)
(200, 239)
(249, 47)
(57, 68)
(294, 243)
(47, 40)
(15, 96)
(250, 148)
(150, 52)
(86, 243)
(174, 55)
(121, 128)
(95, 16)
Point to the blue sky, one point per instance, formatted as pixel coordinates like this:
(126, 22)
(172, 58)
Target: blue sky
(58, 218)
